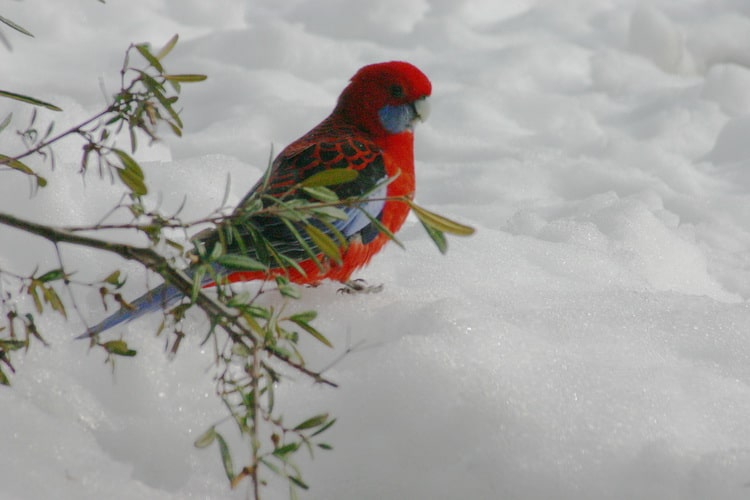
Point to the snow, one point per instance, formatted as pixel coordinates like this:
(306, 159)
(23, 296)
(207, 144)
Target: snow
(590, 341)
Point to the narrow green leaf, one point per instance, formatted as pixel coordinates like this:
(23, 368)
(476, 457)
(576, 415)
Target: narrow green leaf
(28, 100)
(6, 121)
(330, 177)
(376, 222)
(53, 275)
(439, 222)
(321, 193)
(34, 292)
(226, 457)
(143, 48)
(241, 263)
(22, 167)
(437, 236)
(286, 449)
(185, 78)
(16, 164)
(197, 283)
(4, 378)
(175, 129)
(287, 289)
(330, 212)
(131, 173)
(206, 438)
(325, 446)
(167, 48)
(302, 242)
(305, 316)
(298, 481)
(312, 331)
(16, 27)
(324, 428)
(324, 243)
(167, 104)
(311, 422)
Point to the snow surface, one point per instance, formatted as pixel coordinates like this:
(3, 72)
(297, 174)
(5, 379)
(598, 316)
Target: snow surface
(589, 342)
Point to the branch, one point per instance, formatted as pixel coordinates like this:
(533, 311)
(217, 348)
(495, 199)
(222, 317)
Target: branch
(157, 263)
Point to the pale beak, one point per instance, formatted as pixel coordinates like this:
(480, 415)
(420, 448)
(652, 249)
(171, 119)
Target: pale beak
(421, 108)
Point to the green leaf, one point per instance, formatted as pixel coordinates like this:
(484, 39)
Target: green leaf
(16, 27)
(114, 279)
(305, 316)
(302, 242)
(241, 263)
(131, 174)
(28, 100)
(226, 457)
(376, 222)
(325, 446)
(185, 78)
(330, 212)
(298, 481)
(311, 422)
(437, 236)
(324, 243)
(12, 345)
(167, 104)
(324, 428)
(287, 289)
(167, 48)
(119, 348)
(321, 193)
(197, 283)
(143, 48)
(312, 331)
(286, 449)
(439, 222)
(4, 378)
(6, 121)
(330, 177)
(206, 438)
(53, 275)
(16, 164)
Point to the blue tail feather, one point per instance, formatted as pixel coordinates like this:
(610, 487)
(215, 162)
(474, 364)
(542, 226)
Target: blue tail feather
(154, 300)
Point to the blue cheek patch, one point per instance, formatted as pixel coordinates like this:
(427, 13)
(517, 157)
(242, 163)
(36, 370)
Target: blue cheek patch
(397, 119)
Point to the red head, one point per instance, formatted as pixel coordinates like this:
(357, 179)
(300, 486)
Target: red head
(385, 98)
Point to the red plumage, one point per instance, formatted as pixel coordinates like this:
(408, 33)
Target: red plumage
(370, 131)
(354, 137)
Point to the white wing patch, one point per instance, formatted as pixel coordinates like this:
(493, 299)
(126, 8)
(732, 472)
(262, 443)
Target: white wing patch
(357, 219)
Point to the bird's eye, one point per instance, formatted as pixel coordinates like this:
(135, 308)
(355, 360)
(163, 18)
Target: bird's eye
(396, 90)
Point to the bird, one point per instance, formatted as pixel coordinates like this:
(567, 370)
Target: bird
(370, 131)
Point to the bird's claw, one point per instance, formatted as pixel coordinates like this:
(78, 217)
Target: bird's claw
(359, 286)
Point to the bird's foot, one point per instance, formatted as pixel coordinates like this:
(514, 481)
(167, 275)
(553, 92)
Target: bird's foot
(359, 286)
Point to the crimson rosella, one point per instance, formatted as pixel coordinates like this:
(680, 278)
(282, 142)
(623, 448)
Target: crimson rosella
(371, 131)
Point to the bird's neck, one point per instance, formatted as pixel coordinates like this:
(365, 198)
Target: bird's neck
(398, 150)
